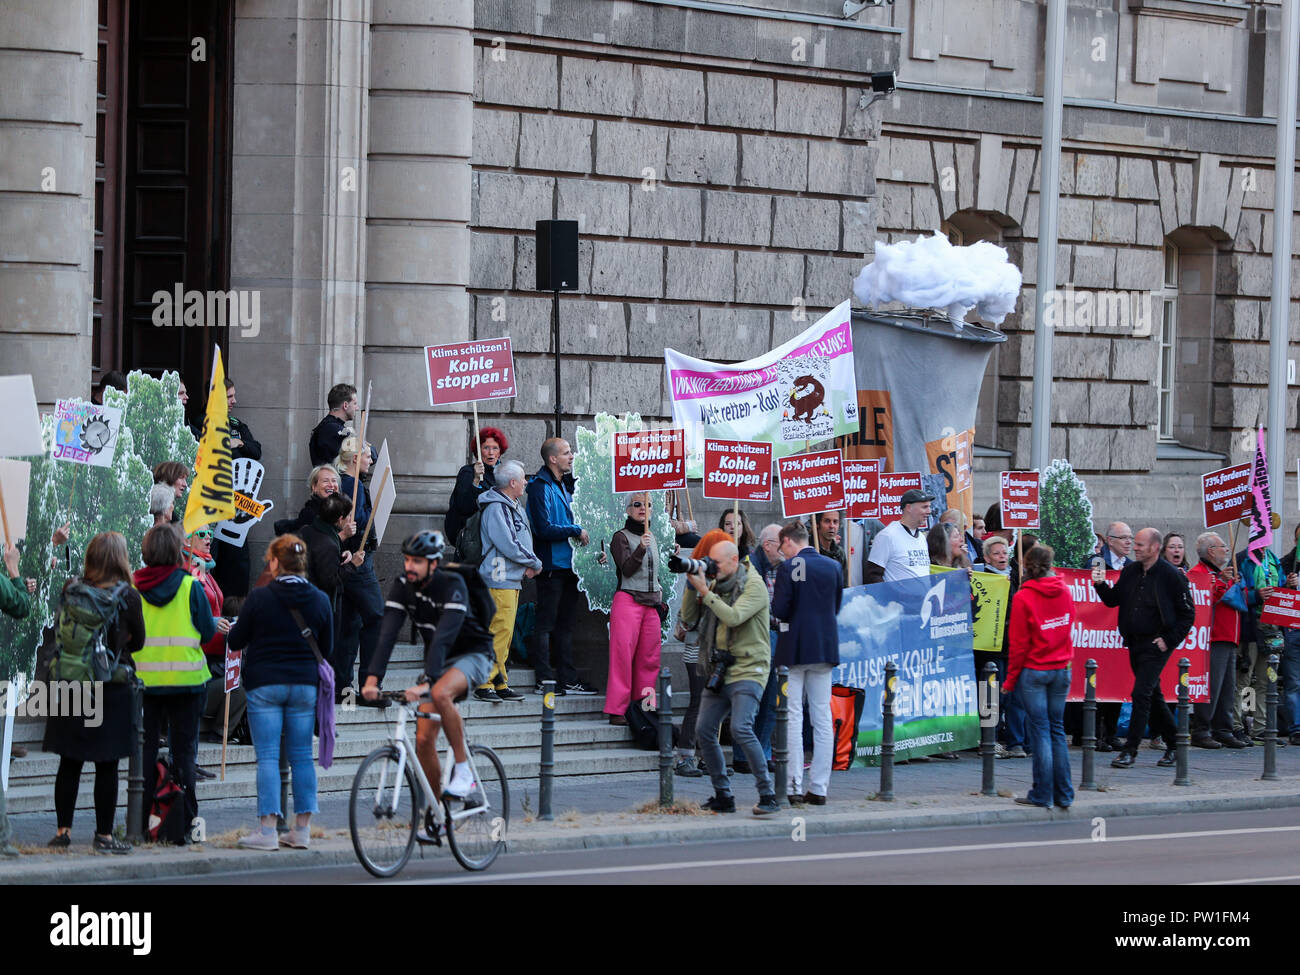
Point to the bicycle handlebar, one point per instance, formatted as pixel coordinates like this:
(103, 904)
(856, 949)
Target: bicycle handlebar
(390, 697)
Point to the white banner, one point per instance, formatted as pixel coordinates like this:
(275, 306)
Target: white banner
(801, 392)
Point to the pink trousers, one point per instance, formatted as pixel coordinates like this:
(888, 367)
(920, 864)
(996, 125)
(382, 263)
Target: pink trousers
(635, 638)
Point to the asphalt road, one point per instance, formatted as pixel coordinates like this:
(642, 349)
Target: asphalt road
(1256, 847)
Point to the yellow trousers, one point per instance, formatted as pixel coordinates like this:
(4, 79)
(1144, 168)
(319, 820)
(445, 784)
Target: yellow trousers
(502, 629)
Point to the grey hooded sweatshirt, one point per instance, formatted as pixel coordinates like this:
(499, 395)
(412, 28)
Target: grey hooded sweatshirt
(507, 542)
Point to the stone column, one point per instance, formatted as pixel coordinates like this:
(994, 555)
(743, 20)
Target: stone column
(417, 237)
(47, 183)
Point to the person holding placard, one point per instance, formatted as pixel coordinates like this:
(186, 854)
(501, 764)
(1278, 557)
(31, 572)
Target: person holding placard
(473, 479)
(635, 633)
(745, 540)
(1212, 722)
(361, 610)
(105, 583)
(13, 602)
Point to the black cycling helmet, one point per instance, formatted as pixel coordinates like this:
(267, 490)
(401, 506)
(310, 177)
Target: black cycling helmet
(425, 544)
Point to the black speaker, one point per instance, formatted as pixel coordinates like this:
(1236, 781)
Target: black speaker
(557, 255)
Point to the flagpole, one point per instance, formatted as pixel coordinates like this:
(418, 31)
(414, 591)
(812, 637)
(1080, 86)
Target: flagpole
(1280, 296)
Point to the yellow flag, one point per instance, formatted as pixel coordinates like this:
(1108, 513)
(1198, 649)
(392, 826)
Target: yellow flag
(212, 495)
(992, 594)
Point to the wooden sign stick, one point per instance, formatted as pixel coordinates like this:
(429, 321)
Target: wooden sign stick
(374, 504)
(225, 734)
(4, 518)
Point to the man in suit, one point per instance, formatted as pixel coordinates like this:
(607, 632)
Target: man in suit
(806, 598)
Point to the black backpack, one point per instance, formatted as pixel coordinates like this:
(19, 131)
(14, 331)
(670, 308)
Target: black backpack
(482, 606)
(469, 540)
(645, 728)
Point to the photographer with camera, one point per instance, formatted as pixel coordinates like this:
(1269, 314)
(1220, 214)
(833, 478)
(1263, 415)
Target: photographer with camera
(732, 613)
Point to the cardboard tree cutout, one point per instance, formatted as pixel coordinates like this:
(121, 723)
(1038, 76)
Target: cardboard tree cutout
(1065, 514)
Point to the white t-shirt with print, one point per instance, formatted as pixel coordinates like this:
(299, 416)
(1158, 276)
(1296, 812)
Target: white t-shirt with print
(900, 553)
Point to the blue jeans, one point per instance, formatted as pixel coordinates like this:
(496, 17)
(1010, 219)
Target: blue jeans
(1013, 710)
(765, 722)
(740, 698)
(291, 709)
(1042, 693)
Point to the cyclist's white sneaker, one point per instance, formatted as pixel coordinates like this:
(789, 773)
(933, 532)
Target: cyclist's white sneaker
(462, 781)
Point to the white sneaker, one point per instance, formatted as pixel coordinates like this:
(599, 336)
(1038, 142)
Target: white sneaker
(297, 839)
(461, 784)
(259, 840)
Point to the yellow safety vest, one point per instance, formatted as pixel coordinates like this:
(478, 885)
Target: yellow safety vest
(172, 655)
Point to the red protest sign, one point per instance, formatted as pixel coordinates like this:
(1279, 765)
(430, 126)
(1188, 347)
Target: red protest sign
(1282, 608)
(1019, 499)
(890, 493)
(1226, 494)
(861, 488)
(234, 667)
(462, 372)
(649, 460)
(1094, 634)
(811, 482)
(737, 470)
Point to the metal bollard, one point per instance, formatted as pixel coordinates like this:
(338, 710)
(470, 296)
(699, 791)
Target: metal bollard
(135, 772)
(1088, 778)
(1183, 740)
(664, 703)
(1270, 721)
(548, 752)
(780, 755)
(887, 735)
(989, 714)
(280, 825)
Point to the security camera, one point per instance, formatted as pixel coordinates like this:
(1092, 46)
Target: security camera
(852, 9)
(884, 82)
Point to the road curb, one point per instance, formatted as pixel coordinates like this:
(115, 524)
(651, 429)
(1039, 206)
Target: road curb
(198, 861)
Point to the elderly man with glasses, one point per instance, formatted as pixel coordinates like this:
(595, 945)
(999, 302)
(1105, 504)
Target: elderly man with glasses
(1114, 555)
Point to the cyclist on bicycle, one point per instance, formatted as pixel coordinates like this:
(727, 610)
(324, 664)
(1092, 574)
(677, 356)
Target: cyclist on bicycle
(457, 652)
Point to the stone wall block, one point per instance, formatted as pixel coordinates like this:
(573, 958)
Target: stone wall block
(554, 142)
(496, 137)
(696, 156)
(841, 168)
(1135, 359)
(1114, 223)
(1109, 403)
(806, 224)
(701, 274)
(597, 87)
(1094, 175)
(1137, 179)
(600, 207)
(1140, 270)
(627, 269)
(628, 149)
(1081, 357)
(515, 201)
(671, 94)
(524, 78)
(655, 327)
(737, 218)
(736, 334)
(741, 101)
(668, 213)
(764, 278)
(774, 163)
(829, 279)
(809, 109)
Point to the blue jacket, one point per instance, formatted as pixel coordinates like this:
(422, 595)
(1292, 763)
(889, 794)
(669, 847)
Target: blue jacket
(550, 511)
(809, 633)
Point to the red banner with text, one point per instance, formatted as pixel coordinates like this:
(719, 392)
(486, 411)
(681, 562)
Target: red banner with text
(811, 483)
(1094, 634)
(737, 470)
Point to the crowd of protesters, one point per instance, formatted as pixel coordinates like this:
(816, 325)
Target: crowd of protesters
(754, 601)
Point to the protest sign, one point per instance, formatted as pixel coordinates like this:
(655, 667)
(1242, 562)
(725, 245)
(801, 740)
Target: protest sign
(212, 495)
(737, 470)
(924, 626)
(892, 487)
(15, 481)
(384, 493)
(1282, 608)
(1093, 633)
(649, 460)
(234, 667)
(992, 603)
(463, 372)
(20, 434)
(85, 433)
(1018, 499)
(861, 487)
(247, 477)
(811, 483)
(803, 390)
(1226, 494)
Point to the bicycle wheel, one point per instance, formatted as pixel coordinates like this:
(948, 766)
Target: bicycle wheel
(383, 832)
(477, 825)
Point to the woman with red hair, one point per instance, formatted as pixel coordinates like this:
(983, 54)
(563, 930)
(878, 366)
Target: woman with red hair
(474, 478)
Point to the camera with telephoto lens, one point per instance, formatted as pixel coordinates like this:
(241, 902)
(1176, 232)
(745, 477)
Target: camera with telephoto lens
(691, 566)
(721, 660)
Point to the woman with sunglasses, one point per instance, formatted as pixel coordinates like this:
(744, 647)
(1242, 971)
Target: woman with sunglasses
(635, 633)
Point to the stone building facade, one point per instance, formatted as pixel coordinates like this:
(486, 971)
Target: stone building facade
(384, 162)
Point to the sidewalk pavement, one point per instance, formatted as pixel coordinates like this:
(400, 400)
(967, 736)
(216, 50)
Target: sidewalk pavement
(602, 811)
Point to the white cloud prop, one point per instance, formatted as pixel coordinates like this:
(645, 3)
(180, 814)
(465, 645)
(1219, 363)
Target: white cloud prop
(931, 273)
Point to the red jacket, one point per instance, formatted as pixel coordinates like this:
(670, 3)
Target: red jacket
(1225, 622)
(1039, 638)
